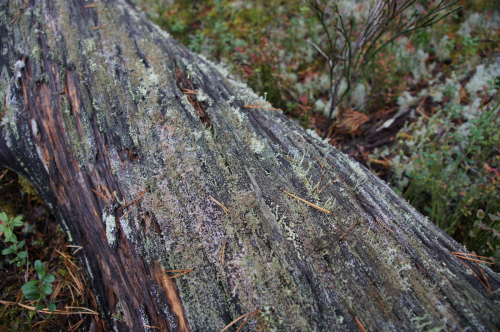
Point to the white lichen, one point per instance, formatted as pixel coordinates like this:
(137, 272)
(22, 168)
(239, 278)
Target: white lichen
(109, 221)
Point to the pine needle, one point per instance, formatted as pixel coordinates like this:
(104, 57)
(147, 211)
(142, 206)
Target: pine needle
(239, 318)
(100, 195)
(352, 226)
(136, 201)
(308, 203)
(94, 5)
(220, 204)
(380, 223)
(360, 326)
(471, 259)
(221, 255)
(462, 253)
(482, 283)
(333, 181)
(185, 271)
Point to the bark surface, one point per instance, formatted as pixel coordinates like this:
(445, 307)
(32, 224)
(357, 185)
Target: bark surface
(95, 113)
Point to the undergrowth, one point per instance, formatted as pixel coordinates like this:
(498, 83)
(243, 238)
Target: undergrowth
(42, 285)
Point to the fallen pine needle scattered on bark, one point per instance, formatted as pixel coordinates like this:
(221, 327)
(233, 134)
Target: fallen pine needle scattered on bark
(482, 282)
(326, 185)
(183, 272)
(352, 226)
(219, 204)
(221, 255)
(252, 313)
(136, 201)
(308, 203)
(319, 182)
(358, 322)
(464, 254)
(100, 195)
(381, 224)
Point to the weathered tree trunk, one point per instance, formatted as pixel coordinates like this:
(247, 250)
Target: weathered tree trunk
(93, 115)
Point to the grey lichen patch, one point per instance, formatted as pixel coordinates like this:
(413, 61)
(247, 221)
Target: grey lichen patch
(111, 230)
(302, 170)
(256, 144)
(90, 44)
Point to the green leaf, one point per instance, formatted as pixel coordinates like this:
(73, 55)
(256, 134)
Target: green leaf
(32, 296)
(30, 287)
(4, 217)
(22, 254)
(7, 251)
(40, 267)
(18, 218)
(2, 228)
(20, 244)
(49, 278)
(47, 289)
(12, 238)
(480, 214)
(8, 233)
(52, 307)
(17, 223)
(40, 307)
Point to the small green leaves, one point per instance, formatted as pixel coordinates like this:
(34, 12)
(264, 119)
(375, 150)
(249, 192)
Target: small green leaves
(47, 289)
(49, 278)
(3, 217)
(40, 268)
(52, 305)
(17, 221)
(30, 287)
(35, 290)
(8, 234)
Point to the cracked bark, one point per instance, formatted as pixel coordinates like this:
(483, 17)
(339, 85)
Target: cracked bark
(95, 117)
